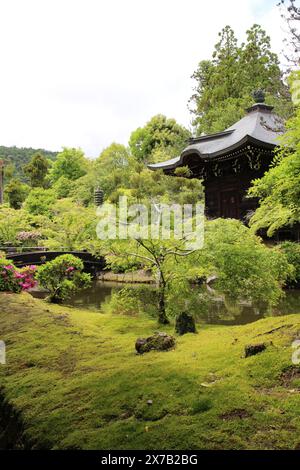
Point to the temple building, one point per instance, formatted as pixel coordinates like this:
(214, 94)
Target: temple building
(228, 161)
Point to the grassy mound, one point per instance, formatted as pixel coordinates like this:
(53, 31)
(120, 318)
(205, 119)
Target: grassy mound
(74, 380)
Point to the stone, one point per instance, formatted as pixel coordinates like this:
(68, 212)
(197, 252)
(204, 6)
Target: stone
(185, 323)
(157, 342)
(253, 349)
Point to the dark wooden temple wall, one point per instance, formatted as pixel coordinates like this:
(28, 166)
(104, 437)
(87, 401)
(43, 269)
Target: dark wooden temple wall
(227, 181)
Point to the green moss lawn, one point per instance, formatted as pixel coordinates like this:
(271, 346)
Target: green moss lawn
(76, 381)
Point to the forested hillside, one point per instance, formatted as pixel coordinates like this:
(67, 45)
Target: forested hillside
(15, 158)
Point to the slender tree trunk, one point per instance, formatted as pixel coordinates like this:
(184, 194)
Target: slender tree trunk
(162, 317)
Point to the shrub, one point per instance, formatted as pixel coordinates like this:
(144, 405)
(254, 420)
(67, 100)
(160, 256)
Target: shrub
(16, 193)
(29, 238)
(39, 201)
(63, 277)
(16, 280)
(245, 267)
(292, 253)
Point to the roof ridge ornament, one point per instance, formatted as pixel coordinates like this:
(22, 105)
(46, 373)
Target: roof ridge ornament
(259, 96)
(260, 104)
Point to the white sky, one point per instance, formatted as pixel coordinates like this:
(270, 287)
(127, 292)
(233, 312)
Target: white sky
(85, 73)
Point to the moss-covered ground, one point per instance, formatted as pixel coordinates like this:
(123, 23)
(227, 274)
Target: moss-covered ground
(76, 381)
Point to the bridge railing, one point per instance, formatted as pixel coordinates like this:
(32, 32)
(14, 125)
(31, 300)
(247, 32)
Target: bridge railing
(24, 249)
(37, 257)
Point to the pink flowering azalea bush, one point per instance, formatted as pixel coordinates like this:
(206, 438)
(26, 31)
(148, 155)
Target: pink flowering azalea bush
(29, 238)
(63, 277)
(16, 280)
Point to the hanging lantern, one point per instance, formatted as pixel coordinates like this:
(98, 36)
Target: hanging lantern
(98, 197)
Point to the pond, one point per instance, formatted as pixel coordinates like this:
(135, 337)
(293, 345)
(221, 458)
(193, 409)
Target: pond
(218, 311)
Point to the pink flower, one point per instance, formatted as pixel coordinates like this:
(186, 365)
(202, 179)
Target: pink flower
(25, 285)
(18, 275)
(9, 266)
(70, 269)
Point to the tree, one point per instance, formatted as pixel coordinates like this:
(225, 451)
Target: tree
(245, 268)
(114, 156)
(15, 222)
(19, 158)
(63, 187)
(291, 16)
(161, 256)
(111, 170)
(160, 133)
(224, 84)
(63, 277)
(292, 253)
(279, 189)
(70, 163)
(154, 190)
(16, 193)
(37, 170)
(40, 201)
(71, 227)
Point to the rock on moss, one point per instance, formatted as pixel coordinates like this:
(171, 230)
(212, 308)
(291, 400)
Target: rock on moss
(253, 349)
(185, 323)
(157, 342)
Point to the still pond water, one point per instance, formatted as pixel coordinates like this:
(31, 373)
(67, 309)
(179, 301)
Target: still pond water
(217, 310)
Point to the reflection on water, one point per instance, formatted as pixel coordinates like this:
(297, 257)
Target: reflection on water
(223, 312)
(216, 311)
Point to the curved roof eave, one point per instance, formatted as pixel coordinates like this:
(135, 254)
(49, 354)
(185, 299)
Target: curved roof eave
(177, 161)
(246, 139)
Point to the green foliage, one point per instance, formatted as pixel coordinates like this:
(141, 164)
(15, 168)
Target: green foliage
(63, 277)
(17, 158)
(40, 201)
(159, 134)
(70, 163)
(123, 264)
(182, 171)
(124, 302)
(245, 267)
(71, 227)
(134, 300)
(279, 189)
(63, 187)
(16, 193)
(224, 85)
(36, 170)
(83, 189)
(15, 222)
(112, 157)
(292, 252)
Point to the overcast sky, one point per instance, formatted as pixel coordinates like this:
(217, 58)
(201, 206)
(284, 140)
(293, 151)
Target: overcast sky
(85, 73)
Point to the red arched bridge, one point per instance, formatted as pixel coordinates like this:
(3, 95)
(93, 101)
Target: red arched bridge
(91, 263)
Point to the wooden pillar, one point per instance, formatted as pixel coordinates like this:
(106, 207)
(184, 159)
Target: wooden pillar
(1, 180)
